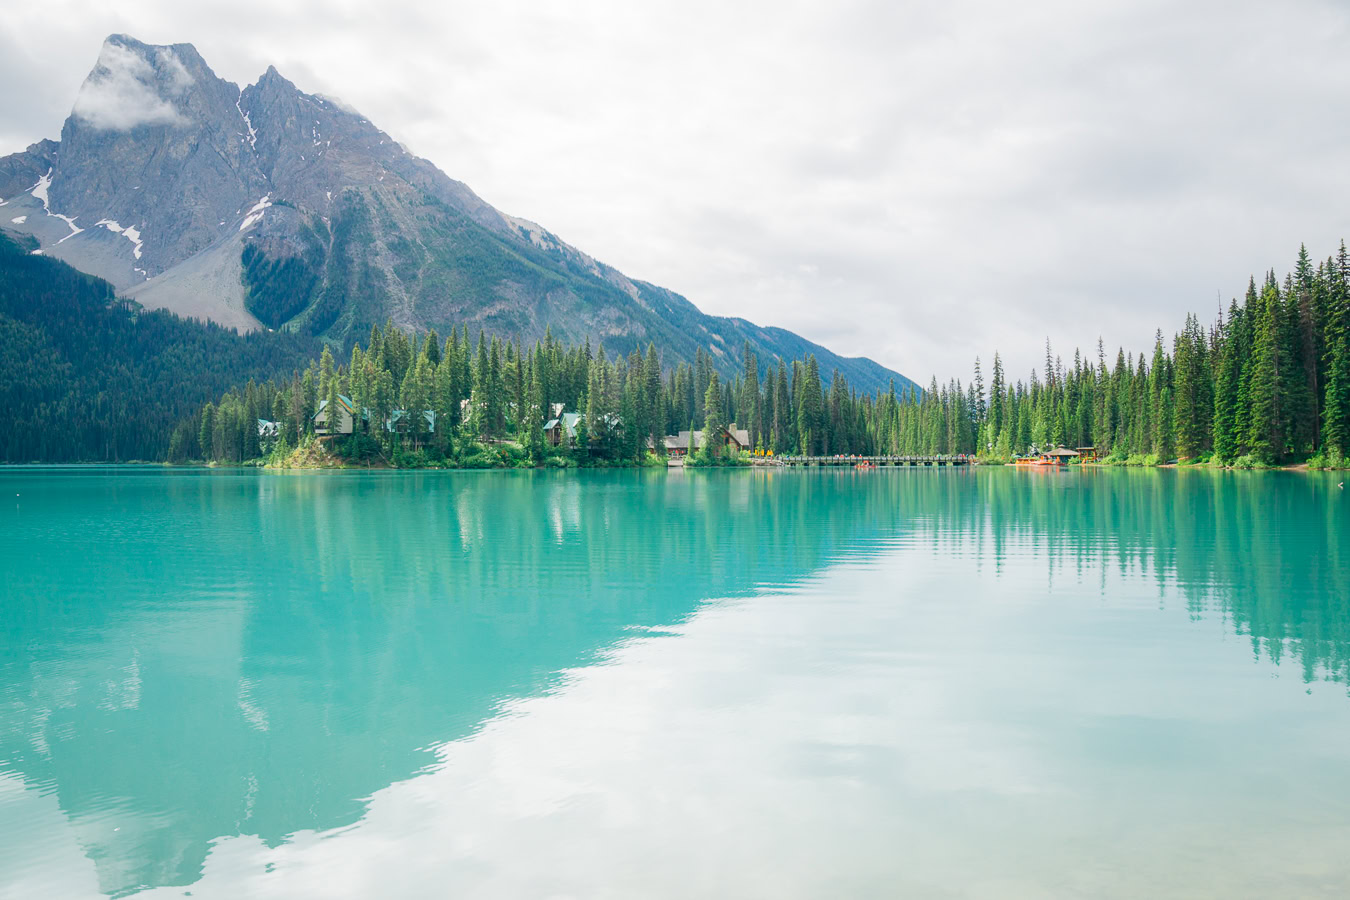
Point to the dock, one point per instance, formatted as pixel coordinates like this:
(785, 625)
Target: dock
(877, 461)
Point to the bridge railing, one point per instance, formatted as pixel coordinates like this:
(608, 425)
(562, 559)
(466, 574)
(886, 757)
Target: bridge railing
(844, 460)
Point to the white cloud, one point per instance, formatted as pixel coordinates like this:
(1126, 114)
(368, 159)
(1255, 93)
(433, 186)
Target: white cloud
(177, 75)
(123, 90)
(940, 737)
(339, 103)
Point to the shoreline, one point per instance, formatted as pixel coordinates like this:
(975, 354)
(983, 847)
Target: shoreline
(388, 467)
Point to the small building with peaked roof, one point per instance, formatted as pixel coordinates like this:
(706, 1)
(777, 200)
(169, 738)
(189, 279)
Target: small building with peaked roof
(401, 421)
(737, 438)
(344, 418)
(562, 429)
(732, 438)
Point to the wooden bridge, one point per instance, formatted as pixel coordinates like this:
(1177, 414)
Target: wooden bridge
(957, 460)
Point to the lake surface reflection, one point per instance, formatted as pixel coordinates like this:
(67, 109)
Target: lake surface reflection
(969, 683)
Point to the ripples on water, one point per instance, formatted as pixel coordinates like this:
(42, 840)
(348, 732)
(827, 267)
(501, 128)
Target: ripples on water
(752, 684)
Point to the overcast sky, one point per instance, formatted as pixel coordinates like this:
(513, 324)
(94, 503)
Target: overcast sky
(918, 183)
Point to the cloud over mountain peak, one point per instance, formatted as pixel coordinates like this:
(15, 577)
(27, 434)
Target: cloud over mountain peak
(131, 86)
(271, 207)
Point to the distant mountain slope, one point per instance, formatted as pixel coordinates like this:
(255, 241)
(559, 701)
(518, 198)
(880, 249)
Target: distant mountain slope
(270, 207)
(84, 377)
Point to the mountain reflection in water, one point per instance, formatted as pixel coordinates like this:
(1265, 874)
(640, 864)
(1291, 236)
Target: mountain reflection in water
(642, 683)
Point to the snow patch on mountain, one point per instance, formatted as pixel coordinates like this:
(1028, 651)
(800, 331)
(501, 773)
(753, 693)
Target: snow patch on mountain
(130, 232)
(19, 220)
(248, 123)
(256, 213)
(40, 192)
(69, 220)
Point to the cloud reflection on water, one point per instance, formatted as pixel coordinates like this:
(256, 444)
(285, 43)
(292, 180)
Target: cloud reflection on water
(903, 726)
(966, 683)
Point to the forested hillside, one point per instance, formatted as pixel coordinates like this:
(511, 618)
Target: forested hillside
(421, 400)
(87, 377)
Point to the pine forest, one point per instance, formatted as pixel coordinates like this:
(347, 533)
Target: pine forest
(1266, 383)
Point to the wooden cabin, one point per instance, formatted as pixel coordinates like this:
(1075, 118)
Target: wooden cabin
(561, 429)
(344, 417)
(732, 439)
(736, 439)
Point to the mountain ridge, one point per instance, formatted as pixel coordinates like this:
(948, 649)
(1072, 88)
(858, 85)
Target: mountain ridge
(269, 207)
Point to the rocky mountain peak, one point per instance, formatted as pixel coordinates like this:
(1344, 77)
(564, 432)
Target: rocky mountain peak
(148, 165)
(270, 207)
(274, 80)
(135, 84)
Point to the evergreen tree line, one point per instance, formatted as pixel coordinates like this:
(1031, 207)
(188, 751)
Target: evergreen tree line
(87, 377)
(1267, 382)
(483, 391)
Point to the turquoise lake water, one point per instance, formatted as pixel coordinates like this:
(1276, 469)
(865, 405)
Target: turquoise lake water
(915, 683)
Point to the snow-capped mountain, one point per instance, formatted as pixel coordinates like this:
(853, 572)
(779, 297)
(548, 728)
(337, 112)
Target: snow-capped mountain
(270, 207)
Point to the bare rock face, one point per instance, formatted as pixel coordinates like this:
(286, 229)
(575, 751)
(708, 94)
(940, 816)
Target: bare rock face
(271, 207)
(152, 144)
(21, 171)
